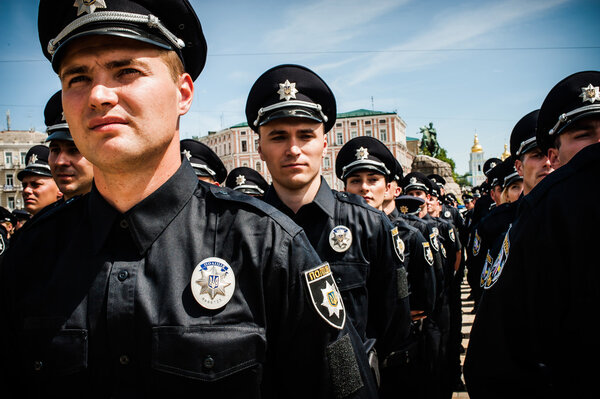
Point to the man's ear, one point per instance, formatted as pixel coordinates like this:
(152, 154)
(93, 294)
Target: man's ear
(519, 167)
(553, 156)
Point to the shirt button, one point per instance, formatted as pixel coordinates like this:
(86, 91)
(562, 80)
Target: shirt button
(338, 280)
(124, 224)
(124, 360)
(123, 275)
(208, 362)
(37, 365)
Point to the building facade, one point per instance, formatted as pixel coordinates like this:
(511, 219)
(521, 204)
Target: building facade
(476, 162)
(238, 145)
(14, 145)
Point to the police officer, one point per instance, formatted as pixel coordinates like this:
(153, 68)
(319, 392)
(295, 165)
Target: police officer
(20, 216)
(163, 285)
(541, 340)
(394, 190)
(71, 171)
(7, 221)
(206, 164)
(247, 181)
(291, 108)
(39, 188)
(366, 166)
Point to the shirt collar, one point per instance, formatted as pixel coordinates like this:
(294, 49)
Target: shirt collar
(324, 200)
(147, 219)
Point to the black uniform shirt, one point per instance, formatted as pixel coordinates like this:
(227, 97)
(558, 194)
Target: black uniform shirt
(369, 274)
(96, 303)
(533, 335)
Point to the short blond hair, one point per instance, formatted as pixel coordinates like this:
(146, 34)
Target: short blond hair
(174, 64)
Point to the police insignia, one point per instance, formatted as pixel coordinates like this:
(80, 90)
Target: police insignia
(590, 93)
(213, 283)
(325, 296)
(88, 6)
(398, 244)
(413, 180)
(2, 246)
(188, 154)
(451, 234)
(362, 153)
(476, 244)
(340, 238)
(33, 159)
(428, 253)
(433, 239)
(240, 179)
(404, 210)
(498, 265)
(443, 250)
(287, 90)
(487, 268)
(447, 214)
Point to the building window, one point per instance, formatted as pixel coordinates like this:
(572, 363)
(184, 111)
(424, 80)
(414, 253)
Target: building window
(338, 125)
(245, 164)
(383, 135)
(256, 145)
(479, 168)
(244, 146)
(11, 203)
(339, 136)
(23, 156)
(8, 158)
(352, 123)
(10, 179)
(367, 122)
(353, 133)
(229, 145)
(382, 121)
(326, 163)
(243, 132)
(368, 132)
(258, 167)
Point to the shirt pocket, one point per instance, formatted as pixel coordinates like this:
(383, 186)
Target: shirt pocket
(350, 275)
(60, 353)
(207, 353)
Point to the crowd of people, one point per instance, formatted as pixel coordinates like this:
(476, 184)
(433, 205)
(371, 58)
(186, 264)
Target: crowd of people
(146, 269)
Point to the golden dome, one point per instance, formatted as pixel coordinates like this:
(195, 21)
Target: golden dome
(476, 146)
(505, 154)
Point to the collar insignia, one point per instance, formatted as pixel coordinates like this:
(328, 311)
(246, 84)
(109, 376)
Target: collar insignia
(590, 93)
(340, 238)
(188, 154)
(88, 6)
(213, 283)
(240, 179)
(362, 153)
(33, 159)
(287, 90)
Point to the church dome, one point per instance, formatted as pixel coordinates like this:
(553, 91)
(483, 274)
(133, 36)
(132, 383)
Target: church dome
(476, 146)
(506, 153)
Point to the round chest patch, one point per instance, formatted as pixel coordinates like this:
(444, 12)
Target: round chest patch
(213, 283)
(340, 238)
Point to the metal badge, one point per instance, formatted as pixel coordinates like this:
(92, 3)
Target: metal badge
(427, 252)
(340, 238)
(499, 263)
(325, 295)
(492, 165)
(362, 153)
(447, 214)
(32, 159)
(413, 180)
(213, 283)
(476, 243)
(88, 6)
(187, 153)
(404, 210)
(287, 90)
(240, 179)
(590, 93)
(398, 244)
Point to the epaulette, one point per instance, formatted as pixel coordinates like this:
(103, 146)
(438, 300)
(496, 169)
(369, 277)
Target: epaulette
(354, 199)
(52, 210)
(227, 194)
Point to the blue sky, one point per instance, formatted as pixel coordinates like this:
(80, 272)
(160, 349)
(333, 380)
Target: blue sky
(467, 66)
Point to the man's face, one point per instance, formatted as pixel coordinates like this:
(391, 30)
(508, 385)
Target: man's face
(534, 167)
(369, 185)
(433, 206)
(579, 135)
(469, 205)
(392, 192)
(293, 149)
(208, 180)
(496, 193)
(121, 102)
(513, 192)
(72, 172)
(420, 194)
(39, 192)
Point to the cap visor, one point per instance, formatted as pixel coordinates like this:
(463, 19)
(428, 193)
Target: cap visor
(364, 166)
(60, 135)
(297, 112)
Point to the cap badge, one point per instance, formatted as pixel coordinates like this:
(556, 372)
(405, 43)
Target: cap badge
(340, 238)
(187, 153)
(362, 153)
(240, 179)
(213, 283)
(404, 209)
(33, 159)
(413, 180)
(88, 6)
(492, 165)
(590, 93)
(287, 90)
(62, 117)
(325, 295)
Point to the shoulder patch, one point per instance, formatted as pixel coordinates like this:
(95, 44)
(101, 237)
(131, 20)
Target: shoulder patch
(427, 252)
(398, 244)
(451, 234)
(2, 245)
(433, 239)
(487, 268)
(325, 295)
(498, 266)
(476, 243)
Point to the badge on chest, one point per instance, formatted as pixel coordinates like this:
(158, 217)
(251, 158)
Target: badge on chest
(213, 283)
(340, 238)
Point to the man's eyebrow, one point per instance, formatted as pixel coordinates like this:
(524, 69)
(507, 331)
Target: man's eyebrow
(81, 69)
(73, 70)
